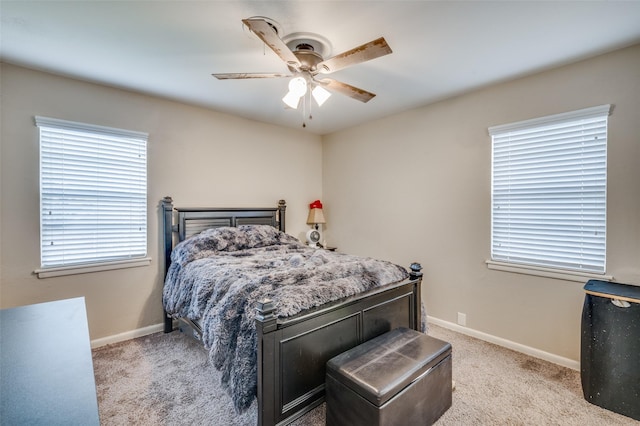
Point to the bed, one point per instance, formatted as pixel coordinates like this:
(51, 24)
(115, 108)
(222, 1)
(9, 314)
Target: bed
(289, 347)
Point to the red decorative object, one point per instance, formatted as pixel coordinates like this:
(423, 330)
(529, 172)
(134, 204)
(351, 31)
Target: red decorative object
(315, 205)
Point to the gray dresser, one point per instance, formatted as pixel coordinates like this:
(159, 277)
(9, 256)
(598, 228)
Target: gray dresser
(46, 368)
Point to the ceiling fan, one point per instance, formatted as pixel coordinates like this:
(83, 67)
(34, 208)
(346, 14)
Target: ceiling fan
(306, 64)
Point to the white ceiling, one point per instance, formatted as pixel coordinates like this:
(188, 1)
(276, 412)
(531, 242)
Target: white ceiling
(440, 48)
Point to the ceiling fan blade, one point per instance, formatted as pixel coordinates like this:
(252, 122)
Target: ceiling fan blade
(267, 34)
(366, 52)
(347, 89)
(244, 75)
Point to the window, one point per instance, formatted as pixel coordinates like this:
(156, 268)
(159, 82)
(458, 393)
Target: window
(549, 180)
(93, 195)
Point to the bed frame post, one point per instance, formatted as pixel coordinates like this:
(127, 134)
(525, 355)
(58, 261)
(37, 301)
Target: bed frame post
(167, 222)
(282, 206)
(265, 326)
(416, 274)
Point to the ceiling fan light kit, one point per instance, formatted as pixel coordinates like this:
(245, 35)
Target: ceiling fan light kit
(320, 95)
(304, 55)
(297, 89)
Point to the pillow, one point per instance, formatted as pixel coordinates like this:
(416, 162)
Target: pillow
(227, 239)
(210, 240)
(264, 235)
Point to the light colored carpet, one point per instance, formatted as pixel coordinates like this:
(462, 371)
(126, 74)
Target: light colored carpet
(165, 379)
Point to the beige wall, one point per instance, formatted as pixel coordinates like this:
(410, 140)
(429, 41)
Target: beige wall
(199, 157)
(416, 187)
(411, 187)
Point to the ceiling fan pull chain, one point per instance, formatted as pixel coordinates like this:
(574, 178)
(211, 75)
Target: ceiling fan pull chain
(304, 110)
(306, 100)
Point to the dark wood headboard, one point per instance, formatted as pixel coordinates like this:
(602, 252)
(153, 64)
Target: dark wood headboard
(191, 221)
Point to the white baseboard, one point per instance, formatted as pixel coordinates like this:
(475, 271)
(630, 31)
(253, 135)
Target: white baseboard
(518, 347)
(127, 335)
(536, 353)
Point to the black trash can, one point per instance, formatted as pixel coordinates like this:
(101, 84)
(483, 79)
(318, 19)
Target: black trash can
(610, 349)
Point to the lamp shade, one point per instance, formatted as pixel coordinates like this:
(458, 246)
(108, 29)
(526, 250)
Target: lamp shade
(298, 86)
(320, 95)
(291, 99)
(315, 216)
(315, 213)
(297, 89)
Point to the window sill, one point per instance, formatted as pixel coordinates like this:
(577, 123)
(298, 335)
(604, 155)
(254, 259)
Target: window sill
(94, 267)
(547, 272)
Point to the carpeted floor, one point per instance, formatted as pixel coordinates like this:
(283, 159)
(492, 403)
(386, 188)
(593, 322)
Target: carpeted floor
(165, 379)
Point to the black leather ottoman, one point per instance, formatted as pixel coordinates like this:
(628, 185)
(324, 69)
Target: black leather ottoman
(402, 377)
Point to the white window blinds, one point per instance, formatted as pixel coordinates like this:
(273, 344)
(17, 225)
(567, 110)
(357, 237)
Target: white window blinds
(93, 193)
(549, 181)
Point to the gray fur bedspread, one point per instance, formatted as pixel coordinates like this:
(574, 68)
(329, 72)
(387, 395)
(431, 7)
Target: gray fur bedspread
(218, 276)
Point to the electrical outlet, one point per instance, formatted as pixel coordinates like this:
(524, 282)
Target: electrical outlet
(462, 319)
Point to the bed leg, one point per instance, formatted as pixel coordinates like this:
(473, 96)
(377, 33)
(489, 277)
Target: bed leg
(168, 323)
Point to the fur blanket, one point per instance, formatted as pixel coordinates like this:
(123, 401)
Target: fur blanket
(217, 277)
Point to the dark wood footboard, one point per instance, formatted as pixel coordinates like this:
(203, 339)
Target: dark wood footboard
(292, 352)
